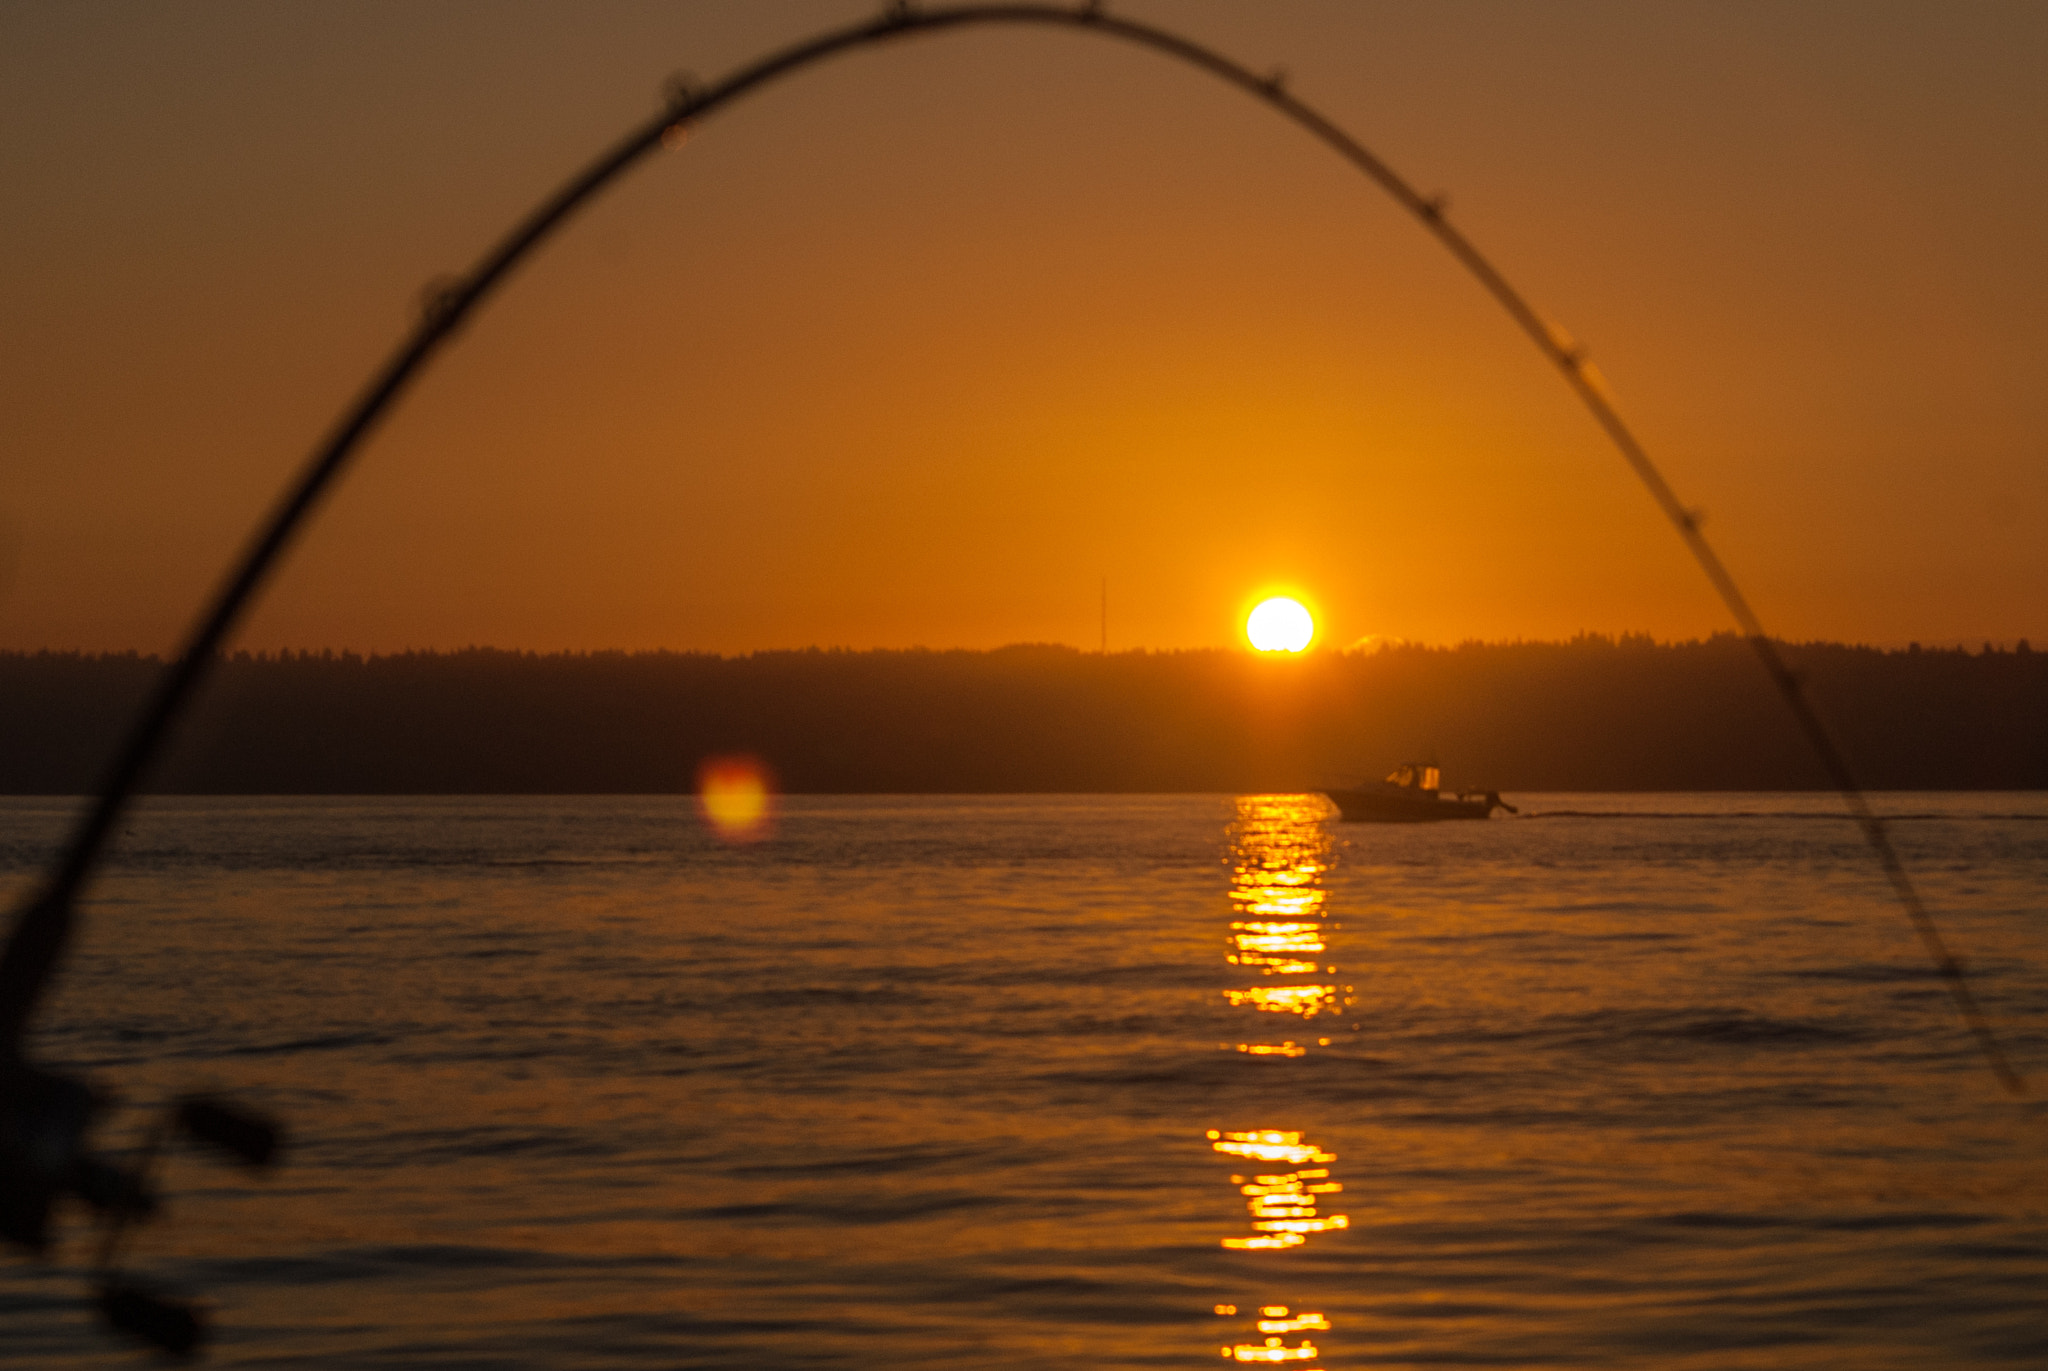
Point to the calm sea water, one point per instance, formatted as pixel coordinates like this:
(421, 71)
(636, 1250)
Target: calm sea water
(1646, 1081)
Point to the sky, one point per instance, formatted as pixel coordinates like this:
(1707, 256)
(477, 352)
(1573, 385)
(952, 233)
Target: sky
(928, 345)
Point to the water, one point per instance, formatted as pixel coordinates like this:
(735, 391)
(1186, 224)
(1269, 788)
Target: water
(1649, 1081)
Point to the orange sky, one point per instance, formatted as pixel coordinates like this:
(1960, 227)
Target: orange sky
(918, 347)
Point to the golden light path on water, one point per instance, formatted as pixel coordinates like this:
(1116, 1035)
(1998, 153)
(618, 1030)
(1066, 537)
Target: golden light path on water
(1280, 852)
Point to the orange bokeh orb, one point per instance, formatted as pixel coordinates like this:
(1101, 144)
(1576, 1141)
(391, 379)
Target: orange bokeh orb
(736, 796)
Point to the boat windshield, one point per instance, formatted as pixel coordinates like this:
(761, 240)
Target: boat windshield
(1414, 775)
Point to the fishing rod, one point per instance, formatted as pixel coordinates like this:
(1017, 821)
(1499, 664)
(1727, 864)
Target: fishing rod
(44, 1116)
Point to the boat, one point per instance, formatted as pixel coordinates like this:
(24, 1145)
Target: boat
(1411, 795)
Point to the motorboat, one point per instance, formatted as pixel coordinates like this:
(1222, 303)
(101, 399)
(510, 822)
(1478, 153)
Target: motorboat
(1412, 794)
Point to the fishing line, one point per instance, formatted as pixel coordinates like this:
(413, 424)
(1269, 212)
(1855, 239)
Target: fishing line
(46, 920)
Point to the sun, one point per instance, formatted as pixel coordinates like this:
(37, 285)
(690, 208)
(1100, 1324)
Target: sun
(1280, 625)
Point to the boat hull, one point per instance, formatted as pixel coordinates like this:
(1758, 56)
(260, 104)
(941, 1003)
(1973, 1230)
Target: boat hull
(1380, 807)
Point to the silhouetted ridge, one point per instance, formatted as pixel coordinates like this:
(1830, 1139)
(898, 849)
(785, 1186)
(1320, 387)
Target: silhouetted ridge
(1590, 714)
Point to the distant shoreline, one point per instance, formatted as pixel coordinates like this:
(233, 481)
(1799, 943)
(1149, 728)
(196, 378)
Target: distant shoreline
(1592, 715)
(82, 796)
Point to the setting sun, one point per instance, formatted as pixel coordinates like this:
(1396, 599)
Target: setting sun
(1280, 625)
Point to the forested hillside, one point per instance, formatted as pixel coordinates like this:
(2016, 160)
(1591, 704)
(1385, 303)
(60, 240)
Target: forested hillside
(1590, 714)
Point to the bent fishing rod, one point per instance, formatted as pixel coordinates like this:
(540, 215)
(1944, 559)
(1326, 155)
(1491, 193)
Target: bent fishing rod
(43, 1116)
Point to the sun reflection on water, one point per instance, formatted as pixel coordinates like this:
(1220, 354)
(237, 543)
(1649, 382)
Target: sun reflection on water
(1276, 1321)
(1305, 1000)
(1279, 949)
(1286, 1205)
(1280, 852)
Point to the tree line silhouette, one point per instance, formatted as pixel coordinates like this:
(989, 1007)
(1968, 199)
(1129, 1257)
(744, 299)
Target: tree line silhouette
(1594, 713)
